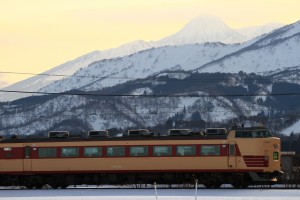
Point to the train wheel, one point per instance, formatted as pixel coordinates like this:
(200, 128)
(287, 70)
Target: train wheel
(64, 186)
(54, 186)
(213, 182)
(208, 185)
(29, 186)
(240, 182)
(39, 186)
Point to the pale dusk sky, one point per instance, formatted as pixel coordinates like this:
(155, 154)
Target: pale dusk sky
(37, 35)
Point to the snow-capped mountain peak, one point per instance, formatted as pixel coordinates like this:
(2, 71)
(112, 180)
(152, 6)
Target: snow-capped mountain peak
(204, 28)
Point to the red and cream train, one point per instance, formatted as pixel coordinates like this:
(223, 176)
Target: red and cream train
(240, 157)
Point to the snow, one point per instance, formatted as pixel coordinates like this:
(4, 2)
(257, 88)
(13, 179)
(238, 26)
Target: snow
(204, 28)
(294, 128)
(145, 194)
(69, 68)
(262, 59)
(140, 65)
(255, 31)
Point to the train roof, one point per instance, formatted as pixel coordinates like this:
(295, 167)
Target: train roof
(125, 138)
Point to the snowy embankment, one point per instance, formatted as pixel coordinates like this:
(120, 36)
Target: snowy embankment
(145, 194)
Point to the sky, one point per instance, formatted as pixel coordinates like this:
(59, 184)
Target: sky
(37, 35)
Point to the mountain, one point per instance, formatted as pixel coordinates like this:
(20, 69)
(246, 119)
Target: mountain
(201, 29)
(204, 28)
(106, 73)
(195, 105)
(255, 31)
(192, 85)
(69, 68)
(274, 51)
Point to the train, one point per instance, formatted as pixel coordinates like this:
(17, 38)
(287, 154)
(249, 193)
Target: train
(240, 156)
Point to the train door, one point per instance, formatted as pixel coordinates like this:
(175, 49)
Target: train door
(27, 161)
(231, 155)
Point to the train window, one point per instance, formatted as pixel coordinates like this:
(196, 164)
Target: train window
(27, 151)
(92, 152)
(162, 151)
(69, 152)
(115, 151)
(139, 151)
(47, 152)
(232, 150)
(186, 150)
(210, 150)
(253, 134)
(243, 134)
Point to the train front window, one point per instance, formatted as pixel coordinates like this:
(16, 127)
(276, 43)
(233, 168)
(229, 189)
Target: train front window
(253, 134)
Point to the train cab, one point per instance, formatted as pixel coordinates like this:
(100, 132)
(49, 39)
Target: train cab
(257, 149)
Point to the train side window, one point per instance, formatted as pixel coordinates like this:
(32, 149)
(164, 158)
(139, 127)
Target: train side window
(92, 152)
(186, 150)
(115, 151)
(69, 152)
(162, 151)
(47, 152)
(139, 151)
(27, 152)
(210, 150)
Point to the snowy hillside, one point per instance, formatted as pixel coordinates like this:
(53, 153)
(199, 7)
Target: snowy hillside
(107, 73)
(80, 113)
(255, 31)
(274, 51)
(69, 68)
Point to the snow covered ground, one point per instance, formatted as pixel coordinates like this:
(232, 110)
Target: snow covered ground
(147, 194)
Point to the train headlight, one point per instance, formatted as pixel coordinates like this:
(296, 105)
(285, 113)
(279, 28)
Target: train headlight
(275, 155)
(266, 158)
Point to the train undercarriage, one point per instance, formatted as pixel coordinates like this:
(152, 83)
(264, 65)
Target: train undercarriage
(209, 180)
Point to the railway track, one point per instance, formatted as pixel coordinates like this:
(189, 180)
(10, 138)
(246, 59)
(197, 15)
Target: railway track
(165, 187)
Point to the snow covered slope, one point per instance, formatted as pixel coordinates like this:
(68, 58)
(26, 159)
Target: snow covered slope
(107, 73)
(255, 31)
(37, 82)
(274, 51)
